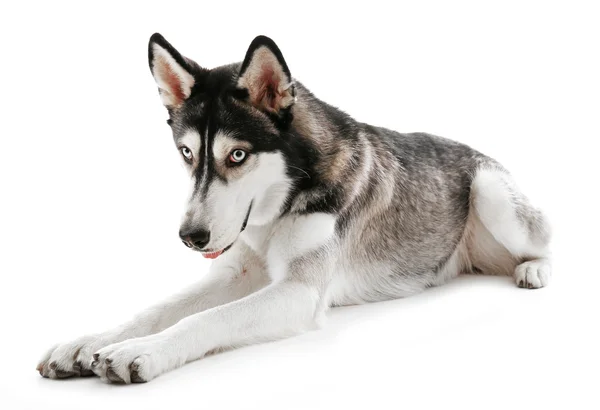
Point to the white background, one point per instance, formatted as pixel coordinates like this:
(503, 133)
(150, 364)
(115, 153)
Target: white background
(92, 190)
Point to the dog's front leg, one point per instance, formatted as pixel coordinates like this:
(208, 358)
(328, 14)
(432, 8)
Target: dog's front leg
(280, 310)
(300, 261)
(235, 275)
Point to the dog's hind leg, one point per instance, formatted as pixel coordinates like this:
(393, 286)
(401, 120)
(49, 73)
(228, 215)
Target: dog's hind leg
(508, 235)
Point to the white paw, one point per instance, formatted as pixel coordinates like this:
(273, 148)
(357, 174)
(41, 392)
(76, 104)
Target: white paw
(533, 274)
(132, 361)
(73, 358)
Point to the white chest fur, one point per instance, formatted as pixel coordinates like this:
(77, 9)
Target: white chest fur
(289, 238)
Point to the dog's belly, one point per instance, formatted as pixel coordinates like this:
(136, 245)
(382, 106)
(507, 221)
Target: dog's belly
(354, 283)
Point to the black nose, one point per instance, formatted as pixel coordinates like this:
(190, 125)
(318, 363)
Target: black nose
(199, 238)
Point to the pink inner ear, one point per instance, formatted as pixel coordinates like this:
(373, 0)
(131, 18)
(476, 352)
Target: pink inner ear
(172, 80)
(268, 93)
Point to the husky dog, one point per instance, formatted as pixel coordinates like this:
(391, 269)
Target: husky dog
(304, 208)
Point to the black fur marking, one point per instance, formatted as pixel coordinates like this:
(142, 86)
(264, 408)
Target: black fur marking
(241, 94)
(246, 218)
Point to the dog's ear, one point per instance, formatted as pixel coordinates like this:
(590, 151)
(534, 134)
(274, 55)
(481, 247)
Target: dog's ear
(174, 74)
(265, 77)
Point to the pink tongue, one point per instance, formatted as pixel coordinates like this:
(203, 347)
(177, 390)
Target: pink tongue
(212, 255)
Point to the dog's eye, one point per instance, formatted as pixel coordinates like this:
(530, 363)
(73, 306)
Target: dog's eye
(237, 156)
(187, 154)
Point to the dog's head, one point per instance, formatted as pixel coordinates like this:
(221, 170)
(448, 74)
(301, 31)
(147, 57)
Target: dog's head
(229, 125)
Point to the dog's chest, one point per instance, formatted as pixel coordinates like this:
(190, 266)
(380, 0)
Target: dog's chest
(257, 238)
(283, 241)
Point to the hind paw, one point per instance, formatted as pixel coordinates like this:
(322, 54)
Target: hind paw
(533, 274)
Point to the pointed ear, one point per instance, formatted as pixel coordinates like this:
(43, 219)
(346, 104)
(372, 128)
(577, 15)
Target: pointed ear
(173, 73)
(266, 77)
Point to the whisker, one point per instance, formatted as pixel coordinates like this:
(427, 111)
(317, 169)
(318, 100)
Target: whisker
(300, 169)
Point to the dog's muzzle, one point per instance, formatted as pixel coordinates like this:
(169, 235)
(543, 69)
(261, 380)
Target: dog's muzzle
(200, 238)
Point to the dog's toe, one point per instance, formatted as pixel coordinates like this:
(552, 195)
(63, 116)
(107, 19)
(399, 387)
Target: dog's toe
(134, 371)
(113, 376)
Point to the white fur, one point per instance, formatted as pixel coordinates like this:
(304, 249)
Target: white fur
(295, 236)
(223, 144)
(274, 185)
(493, 206)
(498, 239)
(533, 274)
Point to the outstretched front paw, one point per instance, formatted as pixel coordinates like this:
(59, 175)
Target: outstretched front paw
(72, 359)
(132, 361)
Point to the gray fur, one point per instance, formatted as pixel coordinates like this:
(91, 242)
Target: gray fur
(403, 203)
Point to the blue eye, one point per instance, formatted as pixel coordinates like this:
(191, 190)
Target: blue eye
(187, 154)
(237, 156)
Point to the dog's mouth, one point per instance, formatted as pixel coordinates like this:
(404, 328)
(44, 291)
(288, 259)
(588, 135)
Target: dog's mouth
(215, 254)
